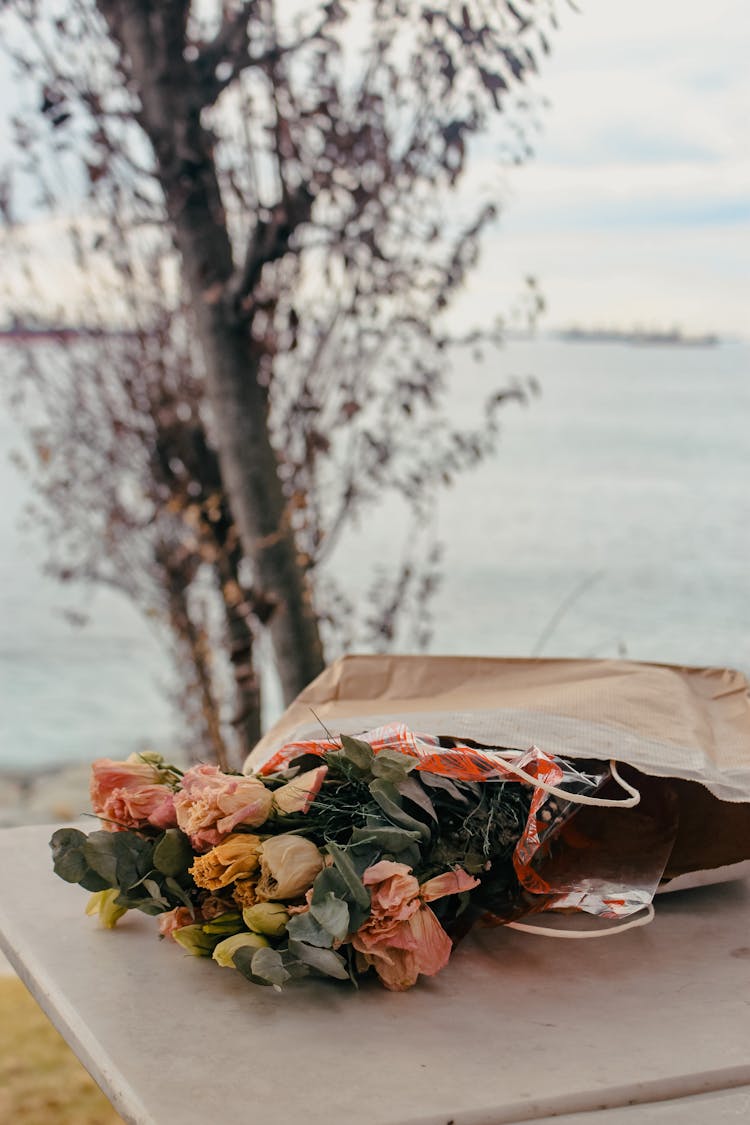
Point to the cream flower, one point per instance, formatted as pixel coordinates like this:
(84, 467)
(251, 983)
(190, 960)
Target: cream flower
(288, 866)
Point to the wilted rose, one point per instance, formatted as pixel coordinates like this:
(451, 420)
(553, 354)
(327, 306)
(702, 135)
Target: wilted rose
(235, 858)
(173, 920)
(211, 804)
(137, 808)
(402, 937)
(299, 793)
(288, 866)
(129, 795)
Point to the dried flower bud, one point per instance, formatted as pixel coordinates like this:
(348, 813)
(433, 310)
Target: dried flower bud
(266, 918)
(288, 866)
(224, 952)
(103, 904)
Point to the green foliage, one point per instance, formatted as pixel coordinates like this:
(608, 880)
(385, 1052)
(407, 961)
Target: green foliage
(151, 875)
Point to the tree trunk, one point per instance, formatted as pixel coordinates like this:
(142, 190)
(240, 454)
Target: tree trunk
(152, 38)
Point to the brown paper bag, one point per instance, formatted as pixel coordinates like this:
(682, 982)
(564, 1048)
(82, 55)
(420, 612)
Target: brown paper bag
(690, 726)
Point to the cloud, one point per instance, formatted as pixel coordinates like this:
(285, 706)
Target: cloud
(636, 206)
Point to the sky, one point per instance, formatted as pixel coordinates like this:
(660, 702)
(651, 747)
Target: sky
(635, 209)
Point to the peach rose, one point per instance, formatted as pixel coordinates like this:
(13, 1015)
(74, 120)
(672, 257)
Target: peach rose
(173, 920)
(211, 804)
(127, 795)
(402, 937)
(299, 793)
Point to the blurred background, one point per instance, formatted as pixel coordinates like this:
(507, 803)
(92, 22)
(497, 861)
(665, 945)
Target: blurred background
(365, 325)
(602, 510)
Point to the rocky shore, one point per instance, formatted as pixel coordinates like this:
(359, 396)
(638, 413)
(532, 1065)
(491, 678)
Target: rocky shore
(55, 795)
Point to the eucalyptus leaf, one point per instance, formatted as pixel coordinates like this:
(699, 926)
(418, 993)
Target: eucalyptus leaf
(392, 765)
(333, 915)
(324, 961)
(358, 752)
(410, 788)
(387, 797)
(178, 892)
(437, 781)
(387, 839)
(267, 965)
(243, 962)
(329, 881)
(351, 875)
(153, 889)
(173, 854)
(99, 854)
(304, 928)
(70, 863)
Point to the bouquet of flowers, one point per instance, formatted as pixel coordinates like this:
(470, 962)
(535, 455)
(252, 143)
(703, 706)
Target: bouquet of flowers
(340, 856)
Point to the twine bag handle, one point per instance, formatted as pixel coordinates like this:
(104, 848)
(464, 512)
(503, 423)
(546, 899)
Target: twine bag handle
(611, 931)
(628, 802)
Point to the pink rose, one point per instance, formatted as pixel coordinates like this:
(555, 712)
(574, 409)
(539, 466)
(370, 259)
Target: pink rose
(107, 776)
(125, 795)
(174, 920)
(137, 808)
(299, 793)
(211, 804)
(402, 937)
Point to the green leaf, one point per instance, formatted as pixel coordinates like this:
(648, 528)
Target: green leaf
(392, 765)
(267, 965)
(387, 797)
(410, 788)
(386, 839)
(243, 962)
(304, 928)
(352, 877)
(333, 915)
(178, 892)
(153, 890)
(225, 925)
(99, 853)
(324, 961)
(358, 752)
(173, 854)
(437, 781)
(67, 855)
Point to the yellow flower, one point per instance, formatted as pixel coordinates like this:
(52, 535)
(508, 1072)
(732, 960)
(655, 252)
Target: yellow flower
(103, 904)
(235, 858)
(194, 940)
(288, 866)
(224, 952)
(266, 918)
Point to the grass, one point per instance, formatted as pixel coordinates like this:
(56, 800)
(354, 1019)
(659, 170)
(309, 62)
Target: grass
(41, 1080)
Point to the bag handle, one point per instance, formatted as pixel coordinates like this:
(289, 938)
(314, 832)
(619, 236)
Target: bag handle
(628, 802)
(611, 931)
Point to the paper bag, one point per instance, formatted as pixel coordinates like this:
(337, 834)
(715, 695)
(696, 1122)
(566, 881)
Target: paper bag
(688, 726)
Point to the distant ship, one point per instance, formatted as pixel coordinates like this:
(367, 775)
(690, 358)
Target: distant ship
(673, 338)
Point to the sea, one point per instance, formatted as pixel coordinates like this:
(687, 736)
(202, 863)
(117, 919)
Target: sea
(613, 520)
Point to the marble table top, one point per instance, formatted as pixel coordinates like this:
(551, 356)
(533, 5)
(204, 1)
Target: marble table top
(650, 1026)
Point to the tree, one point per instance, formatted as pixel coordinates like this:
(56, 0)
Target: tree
(302, 170)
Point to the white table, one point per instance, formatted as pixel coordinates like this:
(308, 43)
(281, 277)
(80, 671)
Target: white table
(517, 1028)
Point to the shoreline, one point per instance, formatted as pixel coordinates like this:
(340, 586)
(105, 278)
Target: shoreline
(43, 794)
